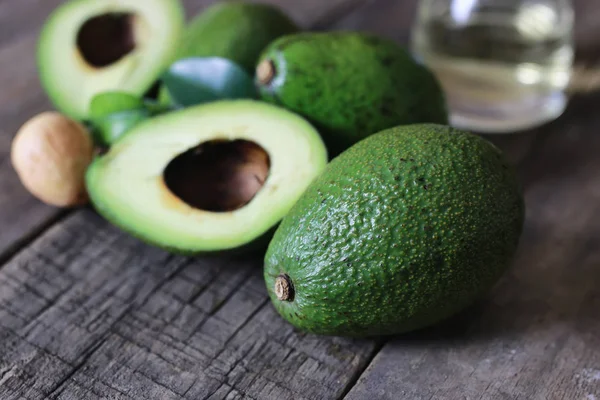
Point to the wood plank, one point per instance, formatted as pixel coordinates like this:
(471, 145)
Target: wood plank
(87, 309)
(536, 335)
(93, 314)
(20, 98)
(19, 16)
(88, 312)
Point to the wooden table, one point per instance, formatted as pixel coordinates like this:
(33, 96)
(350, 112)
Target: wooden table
(87, 312)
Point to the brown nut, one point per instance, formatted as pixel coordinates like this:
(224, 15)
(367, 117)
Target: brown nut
(50, 154)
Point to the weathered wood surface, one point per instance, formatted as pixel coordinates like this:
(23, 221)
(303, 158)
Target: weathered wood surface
(537, 335)
(87, 312)
(21, 97)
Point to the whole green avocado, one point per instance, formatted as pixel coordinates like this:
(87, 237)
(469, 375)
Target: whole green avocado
(349, 84)
(236, 30)
(401, 231)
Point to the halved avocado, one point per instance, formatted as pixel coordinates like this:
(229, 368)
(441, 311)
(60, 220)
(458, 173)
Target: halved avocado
(208, 178)
(91, 46)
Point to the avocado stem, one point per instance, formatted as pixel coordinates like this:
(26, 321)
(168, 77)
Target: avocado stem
(265, 72)
(284, 290)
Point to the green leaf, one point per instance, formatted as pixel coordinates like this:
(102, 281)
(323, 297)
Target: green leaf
(203, 79)
(114, 113)
(107, 103)
(107, 130)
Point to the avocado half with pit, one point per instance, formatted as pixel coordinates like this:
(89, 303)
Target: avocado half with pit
(91, 46)
(208, 178)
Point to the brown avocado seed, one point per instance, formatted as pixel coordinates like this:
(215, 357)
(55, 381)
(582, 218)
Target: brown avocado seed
(50, 154)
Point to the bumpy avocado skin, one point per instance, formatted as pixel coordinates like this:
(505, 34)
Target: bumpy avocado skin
(351, 84)
(236, 30)
(401, 231)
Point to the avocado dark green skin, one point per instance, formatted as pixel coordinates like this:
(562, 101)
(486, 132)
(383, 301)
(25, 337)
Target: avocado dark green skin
(236, 30)
(401, 231)
(351, 85)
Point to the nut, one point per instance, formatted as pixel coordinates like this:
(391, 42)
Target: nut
(50, 154)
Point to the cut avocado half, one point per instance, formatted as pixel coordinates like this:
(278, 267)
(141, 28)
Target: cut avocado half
(211, 177)
(91, 46)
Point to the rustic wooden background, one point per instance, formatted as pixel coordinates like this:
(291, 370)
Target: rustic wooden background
(87, 312)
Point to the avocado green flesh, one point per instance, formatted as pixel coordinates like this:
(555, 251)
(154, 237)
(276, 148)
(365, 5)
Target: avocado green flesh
(71, 82)
(351, 85)
(127, 185)
(235, 30)
(401, 231)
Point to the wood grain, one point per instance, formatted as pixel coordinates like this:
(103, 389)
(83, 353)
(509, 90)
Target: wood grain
(19, 17)
(20, 98)
(535, 336)
(87, 312)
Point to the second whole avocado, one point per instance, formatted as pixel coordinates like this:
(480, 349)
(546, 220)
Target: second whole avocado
(349, 84)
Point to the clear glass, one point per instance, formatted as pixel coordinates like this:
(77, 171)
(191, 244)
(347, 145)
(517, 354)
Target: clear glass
(504, 64)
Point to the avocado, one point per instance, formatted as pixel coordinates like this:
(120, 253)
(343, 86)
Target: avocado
(91, 46)
(402, 230)
(208, 178)
(349, 84)
(235, 30)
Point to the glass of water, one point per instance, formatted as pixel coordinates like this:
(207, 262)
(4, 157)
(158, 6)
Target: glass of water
(504, 64)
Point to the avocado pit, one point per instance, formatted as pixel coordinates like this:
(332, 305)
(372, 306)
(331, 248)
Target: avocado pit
(105, 39)
(218, 175)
